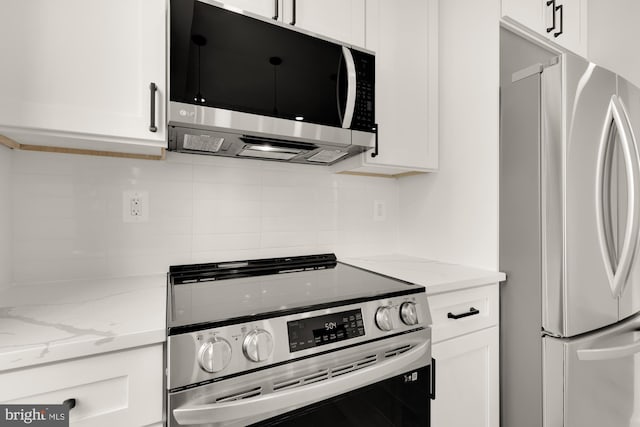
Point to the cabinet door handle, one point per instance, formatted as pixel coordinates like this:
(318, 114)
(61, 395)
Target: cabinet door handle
(375, 150)
(552, 3)
(472, 312)
(559, 9)
(70, 404)
(153, 88)
(293, 10)
(276, 10)
(432, 395)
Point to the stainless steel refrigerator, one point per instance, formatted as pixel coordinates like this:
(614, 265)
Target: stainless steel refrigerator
(569, 232)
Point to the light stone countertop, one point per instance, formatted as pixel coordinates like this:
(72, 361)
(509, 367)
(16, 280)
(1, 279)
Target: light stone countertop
(435, 276)
(48, 322)
(42, 323)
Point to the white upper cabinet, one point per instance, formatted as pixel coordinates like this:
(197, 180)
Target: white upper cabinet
(341, 20)
(405, 41)
(527, 12)
(76, 69)
(561, 21)
(267, 8)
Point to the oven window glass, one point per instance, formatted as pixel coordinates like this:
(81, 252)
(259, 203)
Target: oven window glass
(227, 60)
(399, 401)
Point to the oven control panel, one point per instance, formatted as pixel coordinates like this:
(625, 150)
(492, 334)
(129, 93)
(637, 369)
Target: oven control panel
(230, 349)
(326, 329)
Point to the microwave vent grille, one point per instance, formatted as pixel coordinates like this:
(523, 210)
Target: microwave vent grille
(206, 143)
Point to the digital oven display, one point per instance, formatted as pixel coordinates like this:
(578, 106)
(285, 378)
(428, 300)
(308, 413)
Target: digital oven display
(327, 329)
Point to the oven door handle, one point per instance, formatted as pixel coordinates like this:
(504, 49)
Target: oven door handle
(300, 396)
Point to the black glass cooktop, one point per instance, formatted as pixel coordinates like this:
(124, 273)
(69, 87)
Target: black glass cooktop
(223, 293)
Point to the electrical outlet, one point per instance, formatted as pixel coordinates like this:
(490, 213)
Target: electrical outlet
(379, 210)
(135, 206)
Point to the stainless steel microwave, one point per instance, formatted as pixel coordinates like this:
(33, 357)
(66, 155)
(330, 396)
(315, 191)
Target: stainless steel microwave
(246, 86)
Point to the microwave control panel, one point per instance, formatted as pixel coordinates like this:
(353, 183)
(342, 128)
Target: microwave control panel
(364, 113)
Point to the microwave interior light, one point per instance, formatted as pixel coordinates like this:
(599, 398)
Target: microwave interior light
(264, 148)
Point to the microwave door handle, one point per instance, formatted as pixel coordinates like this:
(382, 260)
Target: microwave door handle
(300, 396)
(616, 116)
(352, 83)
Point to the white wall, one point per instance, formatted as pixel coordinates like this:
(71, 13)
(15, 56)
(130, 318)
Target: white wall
(68, 213)
(452, 215)
(6, 261)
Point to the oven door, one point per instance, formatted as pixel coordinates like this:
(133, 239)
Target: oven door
(386, 383)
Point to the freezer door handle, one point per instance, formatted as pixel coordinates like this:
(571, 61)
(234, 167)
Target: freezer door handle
(608, 353)
(617, 120)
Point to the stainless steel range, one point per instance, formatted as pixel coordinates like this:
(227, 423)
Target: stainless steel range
(296, 341)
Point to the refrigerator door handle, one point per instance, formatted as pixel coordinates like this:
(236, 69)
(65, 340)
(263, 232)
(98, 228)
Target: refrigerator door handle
(618, 274)
(608, 353)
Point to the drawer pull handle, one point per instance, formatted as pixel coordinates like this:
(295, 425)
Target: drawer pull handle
(472, 311)
(70, 404)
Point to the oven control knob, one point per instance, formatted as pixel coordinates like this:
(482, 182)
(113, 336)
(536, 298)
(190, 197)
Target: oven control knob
(409, 313)
(258, 345)
(214, 355)
(384, 318)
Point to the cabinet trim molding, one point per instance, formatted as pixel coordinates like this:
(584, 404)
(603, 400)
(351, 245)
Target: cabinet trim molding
(381, 175)
(10, 143)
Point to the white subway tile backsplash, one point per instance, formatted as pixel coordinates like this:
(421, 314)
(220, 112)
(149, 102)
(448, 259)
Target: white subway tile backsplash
(30, 271)
(288, 193)
(227, 175)
(288, 223)
(288, 239)
(217, 191)
(67, 213)
(284, 209)
(223, 225)
(221, 242)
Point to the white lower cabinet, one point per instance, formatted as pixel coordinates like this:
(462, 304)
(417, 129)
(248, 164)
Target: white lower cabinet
(467, 381)
(467, 362)
(122, 388)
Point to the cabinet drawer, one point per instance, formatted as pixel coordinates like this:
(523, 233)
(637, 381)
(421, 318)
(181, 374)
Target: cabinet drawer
(121, 388)
(460, 312)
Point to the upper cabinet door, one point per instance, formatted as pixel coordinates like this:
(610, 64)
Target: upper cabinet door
(561, 21)
(267, 8)
(79, 67)
(570, 26)
(343, 20)
(405, 40)
(529, 13)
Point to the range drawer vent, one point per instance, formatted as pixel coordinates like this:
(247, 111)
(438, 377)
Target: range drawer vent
(397, 351)
(257, 391)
